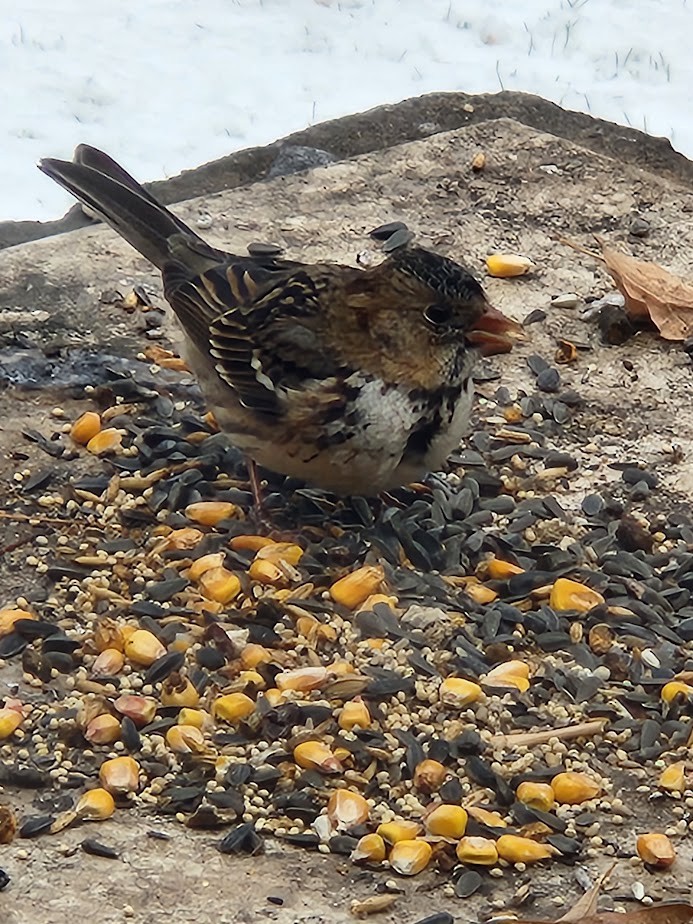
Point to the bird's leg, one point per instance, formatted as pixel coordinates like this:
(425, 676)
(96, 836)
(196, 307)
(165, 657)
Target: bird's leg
(256, 488)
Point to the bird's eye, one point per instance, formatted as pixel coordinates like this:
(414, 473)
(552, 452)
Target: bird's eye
(438, 315)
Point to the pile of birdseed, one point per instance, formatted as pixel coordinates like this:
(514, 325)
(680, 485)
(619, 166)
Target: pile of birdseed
(467, 675)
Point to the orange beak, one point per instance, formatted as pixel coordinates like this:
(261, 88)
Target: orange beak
(494, 332)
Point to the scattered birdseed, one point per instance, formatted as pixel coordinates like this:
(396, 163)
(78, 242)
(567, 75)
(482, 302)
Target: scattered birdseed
(459, 671)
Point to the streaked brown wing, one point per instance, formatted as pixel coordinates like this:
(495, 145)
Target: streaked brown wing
(275, 345)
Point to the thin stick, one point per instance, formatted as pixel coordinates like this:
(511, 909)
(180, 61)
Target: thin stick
(530, 739)
(580, 249)
(40, 518)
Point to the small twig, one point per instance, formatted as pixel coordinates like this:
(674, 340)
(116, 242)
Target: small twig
(530, 739)
(38, 517)
(580, 249)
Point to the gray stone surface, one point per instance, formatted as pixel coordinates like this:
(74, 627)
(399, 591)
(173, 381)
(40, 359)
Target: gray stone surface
(389, 125)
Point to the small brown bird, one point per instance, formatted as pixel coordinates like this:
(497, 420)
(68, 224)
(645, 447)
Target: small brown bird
(354, 380)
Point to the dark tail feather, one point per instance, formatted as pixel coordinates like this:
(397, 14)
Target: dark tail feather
(103, 186)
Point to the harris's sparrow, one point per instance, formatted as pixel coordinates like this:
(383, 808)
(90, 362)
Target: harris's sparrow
(354, 380)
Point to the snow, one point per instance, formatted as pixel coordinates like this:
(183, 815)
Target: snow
(164, 85)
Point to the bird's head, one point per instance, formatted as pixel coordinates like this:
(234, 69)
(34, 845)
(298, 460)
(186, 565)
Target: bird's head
(454, 303)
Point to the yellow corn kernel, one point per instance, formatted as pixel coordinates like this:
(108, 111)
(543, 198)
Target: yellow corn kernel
(370, 848)
(573, 788)
(354, 588)
(120, 775)
(410, 857)
(371, 601)
(196, 717)
(306, 626)
(508, 674)
(459, 693)
(205, 563)
(10, 720)
(571, 595)
(182, 539)
(220, 585)
(346, 809)
(143, 647)
(103, 729)
(234, 707)
(676, 689)
(340, 669)
(446, 821)
(95, 805)
(537, 795)
(326, 633)
(343, 755)
(268, 572)
(105, 441)
(182, 641)
(249, 543)
(253, 655)
(394, 831)
(478, 851)
(499, 570)
(656, 850)
(486, 817)
(480, 593)
(302, 679)
(108, 663)
(429, 775)
(314, 755)
(209, 513)
(507, 265)
(9, 617)
(85, 427)
(516, 849)
(109, 634)
(277, 552)
(185, 739)
(178, 691)
(673, 778)
(354, 714)
(274, 696)
(141, 709)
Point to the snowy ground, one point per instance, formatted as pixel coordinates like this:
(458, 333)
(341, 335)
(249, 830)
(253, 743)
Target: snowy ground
(168, 84)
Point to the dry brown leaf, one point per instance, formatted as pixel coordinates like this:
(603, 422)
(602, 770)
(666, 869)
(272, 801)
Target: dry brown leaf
(652, 291)
(649, 290)
(585, 911)
(669, 913)
(586, 905)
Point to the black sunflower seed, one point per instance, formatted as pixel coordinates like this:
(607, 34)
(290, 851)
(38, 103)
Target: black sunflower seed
(568, 846)
(468, 883)
(23, 776)
(164, 590)
(342, 844)
(243, 839)
(12, 644)
(130, 736)
(97, 849)
(163, 666)
(440, 917)
(35, 628)
(549, 380)
(35, 825)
